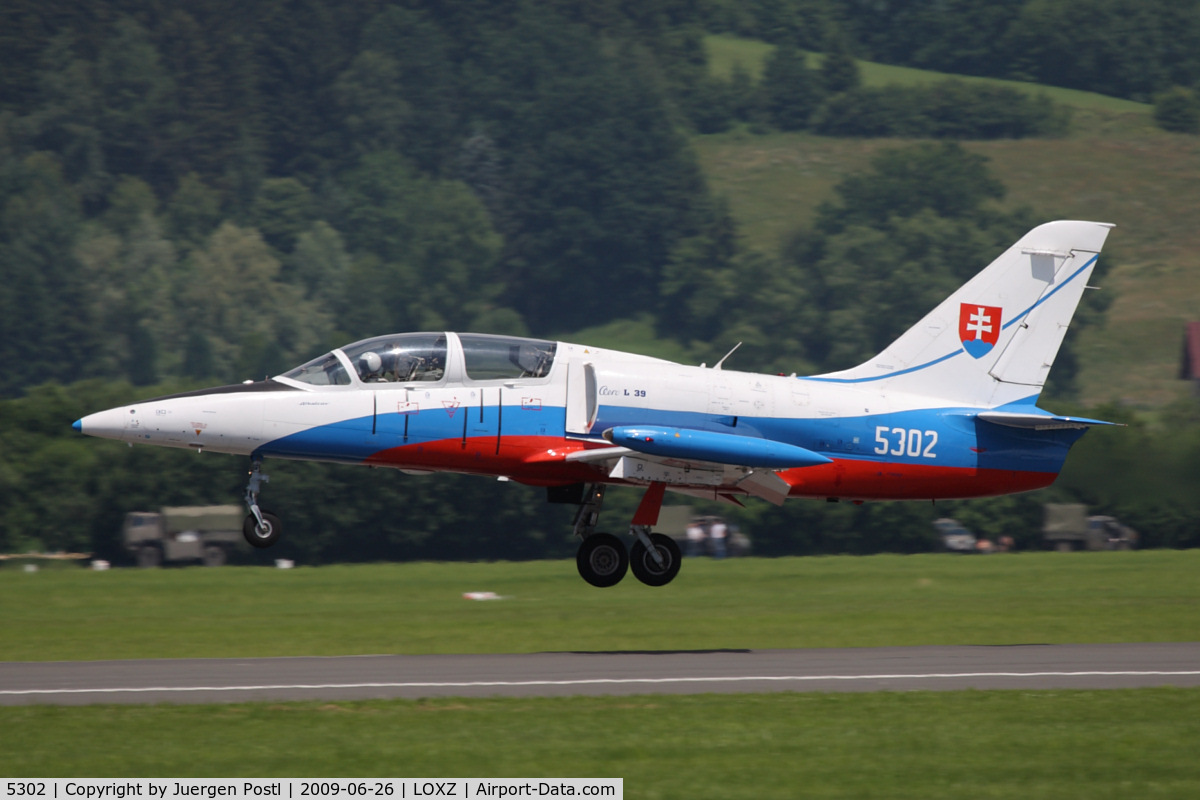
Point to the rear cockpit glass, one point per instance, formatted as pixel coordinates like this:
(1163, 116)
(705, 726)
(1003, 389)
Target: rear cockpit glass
(399, 358)
(324, 371)
(494, 357)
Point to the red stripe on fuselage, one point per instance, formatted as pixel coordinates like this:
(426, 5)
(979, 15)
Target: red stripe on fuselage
(530, 459)
(874, 480)
(541, 460)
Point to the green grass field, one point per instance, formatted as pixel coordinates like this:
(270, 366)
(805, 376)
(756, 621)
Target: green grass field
(1019, 744)
(748, 603)
(922, 745)
(1114, 166)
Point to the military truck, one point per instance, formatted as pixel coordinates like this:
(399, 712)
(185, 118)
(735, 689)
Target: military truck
(1068, 527)
(183, 533)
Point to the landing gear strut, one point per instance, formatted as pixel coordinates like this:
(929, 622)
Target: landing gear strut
(261, 528)
(602, 559)
(655, 564)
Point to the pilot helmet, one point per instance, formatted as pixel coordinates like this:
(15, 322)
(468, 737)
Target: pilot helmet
(370, 362)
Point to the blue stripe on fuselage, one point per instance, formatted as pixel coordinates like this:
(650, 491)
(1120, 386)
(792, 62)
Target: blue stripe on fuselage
(355, 440)
(944, 437)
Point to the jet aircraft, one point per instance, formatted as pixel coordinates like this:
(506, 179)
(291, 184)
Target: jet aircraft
(948, 410)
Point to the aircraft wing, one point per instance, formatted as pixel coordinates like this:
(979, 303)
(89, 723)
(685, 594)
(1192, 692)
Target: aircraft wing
(598, 454)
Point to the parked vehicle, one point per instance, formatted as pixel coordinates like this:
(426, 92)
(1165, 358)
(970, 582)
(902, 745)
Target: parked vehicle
(955, 537)
(1068, 527)
(183, 533)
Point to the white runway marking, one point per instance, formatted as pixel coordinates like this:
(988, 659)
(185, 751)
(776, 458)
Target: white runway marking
(604, 681)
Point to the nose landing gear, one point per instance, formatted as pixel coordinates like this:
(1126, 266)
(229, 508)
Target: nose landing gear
(260, 528)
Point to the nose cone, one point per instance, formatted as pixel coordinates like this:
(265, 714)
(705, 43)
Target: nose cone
(110, 424)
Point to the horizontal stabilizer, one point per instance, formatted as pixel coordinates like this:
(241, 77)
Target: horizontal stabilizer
(1039, 422)
(719, 448)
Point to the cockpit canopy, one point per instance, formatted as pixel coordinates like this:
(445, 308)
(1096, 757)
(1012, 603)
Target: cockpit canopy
(488, 357)
(418, 357)
(409, 357)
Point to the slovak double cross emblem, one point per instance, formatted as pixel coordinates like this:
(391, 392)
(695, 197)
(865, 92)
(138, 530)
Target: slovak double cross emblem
(978, 328)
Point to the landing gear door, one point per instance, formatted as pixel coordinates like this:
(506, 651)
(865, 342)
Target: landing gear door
(582, 405)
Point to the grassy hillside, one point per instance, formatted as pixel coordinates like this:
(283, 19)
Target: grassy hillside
(1114, 166)
(726, 51)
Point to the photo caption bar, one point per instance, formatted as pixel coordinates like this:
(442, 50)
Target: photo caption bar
(300, 788)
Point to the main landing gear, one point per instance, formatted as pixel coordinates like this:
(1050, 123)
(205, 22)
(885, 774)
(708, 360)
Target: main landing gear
(602, 559)
(261, 528)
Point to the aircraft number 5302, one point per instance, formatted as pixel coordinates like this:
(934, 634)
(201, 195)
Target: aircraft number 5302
(911, 442)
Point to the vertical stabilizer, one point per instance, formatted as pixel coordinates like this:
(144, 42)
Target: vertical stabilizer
(994, 340)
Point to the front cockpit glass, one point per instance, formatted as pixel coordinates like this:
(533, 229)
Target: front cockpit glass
(324, 371)
(496, 357)
(400, 358)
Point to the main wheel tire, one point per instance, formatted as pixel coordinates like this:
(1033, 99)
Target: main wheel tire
(263, 535)
(602, 560)
(646, 569)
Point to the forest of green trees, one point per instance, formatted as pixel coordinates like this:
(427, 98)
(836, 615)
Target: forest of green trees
(217, 191)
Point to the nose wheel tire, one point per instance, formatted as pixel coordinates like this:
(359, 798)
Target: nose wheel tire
(649, 571)
(263, 535)
(602, 560)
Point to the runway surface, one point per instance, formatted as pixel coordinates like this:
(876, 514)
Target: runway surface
(1087, 666)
